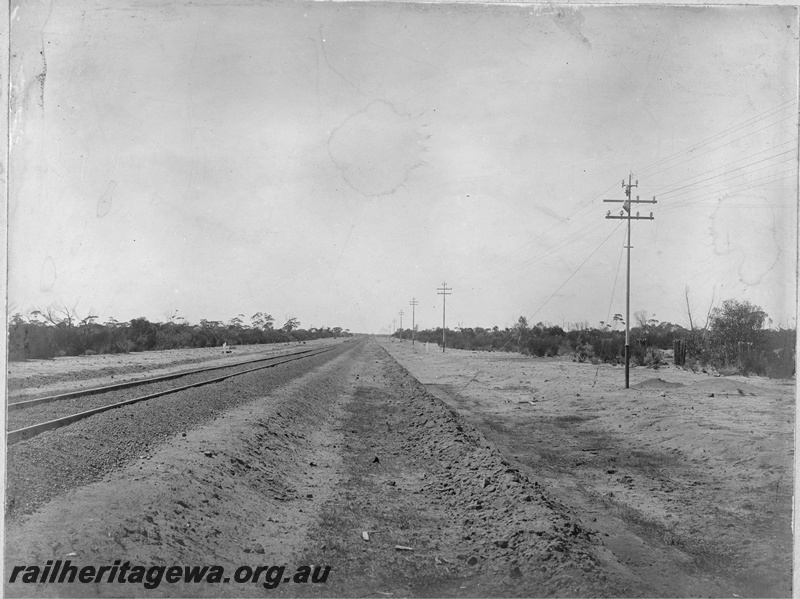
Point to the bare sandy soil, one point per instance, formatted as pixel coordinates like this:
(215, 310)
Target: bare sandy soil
(688, 476)
(501, 476)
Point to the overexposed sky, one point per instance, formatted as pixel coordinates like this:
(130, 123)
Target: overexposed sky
(330, 161)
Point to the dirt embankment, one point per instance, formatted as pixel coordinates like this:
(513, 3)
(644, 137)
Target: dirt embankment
(297, 473)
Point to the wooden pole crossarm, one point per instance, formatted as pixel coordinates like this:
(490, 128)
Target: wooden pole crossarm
(637, 217)
(636, 201)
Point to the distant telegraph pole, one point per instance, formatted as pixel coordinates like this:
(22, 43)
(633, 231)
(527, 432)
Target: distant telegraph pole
(625, 214)
(444, 291)
(413, 303)
(401, 324)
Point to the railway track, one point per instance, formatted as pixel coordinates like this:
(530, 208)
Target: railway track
(35, 416)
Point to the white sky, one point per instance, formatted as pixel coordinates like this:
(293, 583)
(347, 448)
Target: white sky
(332, 161)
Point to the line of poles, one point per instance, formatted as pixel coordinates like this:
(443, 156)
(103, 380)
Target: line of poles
(444, 291)
(625, 214)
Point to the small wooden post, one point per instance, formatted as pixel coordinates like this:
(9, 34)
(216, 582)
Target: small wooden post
(679, 349)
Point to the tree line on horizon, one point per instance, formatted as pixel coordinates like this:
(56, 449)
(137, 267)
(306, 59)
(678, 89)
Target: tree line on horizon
(732, 341)
(59, 331)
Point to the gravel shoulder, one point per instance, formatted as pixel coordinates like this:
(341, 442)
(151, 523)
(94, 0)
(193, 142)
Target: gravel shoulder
(687, 477)
(293, 473)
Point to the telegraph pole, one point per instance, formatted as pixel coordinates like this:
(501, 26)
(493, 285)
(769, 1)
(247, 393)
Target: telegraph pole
(413, 303)
(394, 321)
(444, 291)
(401, 324)
(625, 214)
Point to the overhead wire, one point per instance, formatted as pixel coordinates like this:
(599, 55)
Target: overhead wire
(721, 134)
(616, 276)
(611, 300)
(602, 243)
(670, 189)
(588, 229)
(679, 192)
(574, 272)
(584, 210)
(694, 157)
(564, 221)
(585, 228)
(791, 141)
(744, 174)
(687, 201)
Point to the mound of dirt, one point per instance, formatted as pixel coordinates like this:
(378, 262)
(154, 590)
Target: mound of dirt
(656, 384)
(725, 385)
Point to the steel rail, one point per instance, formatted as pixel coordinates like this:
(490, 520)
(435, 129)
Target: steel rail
(20, 405)
(28, 432)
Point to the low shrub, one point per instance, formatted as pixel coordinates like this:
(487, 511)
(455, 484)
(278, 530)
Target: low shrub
(544, 346)
(638, 354)
(653, 358)
(585, 352)
(610, 350)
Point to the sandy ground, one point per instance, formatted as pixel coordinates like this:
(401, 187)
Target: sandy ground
(690, 475)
